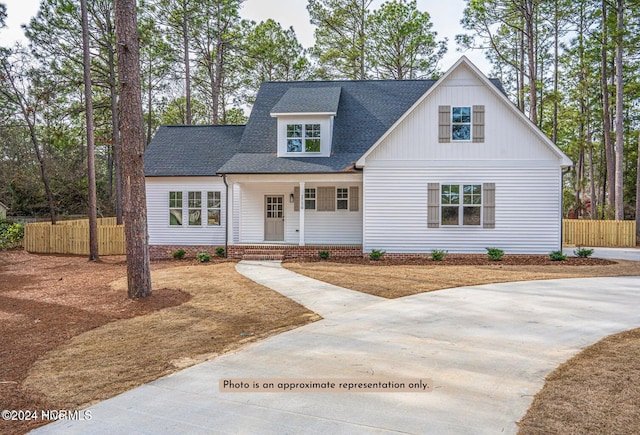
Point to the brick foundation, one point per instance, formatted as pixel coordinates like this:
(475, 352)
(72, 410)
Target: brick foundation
(295, 251)
(164, 252)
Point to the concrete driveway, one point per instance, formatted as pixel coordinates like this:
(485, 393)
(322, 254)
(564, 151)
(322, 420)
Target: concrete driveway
(486, 348)
(632, 254)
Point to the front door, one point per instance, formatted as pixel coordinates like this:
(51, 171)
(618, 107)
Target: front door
(274, 218)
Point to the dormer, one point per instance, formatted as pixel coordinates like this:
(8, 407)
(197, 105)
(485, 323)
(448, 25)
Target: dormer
(305, 121)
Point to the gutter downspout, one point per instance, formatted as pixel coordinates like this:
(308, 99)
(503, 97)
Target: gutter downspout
(226, 217)
(564, 172)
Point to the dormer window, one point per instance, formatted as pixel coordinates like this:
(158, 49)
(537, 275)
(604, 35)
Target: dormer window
(305, 121)
(303, 138)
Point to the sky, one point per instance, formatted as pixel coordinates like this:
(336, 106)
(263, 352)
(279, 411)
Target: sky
(445, 16)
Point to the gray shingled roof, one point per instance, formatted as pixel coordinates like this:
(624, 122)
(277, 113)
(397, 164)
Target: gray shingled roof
(366, 110)
(191, 150)
(308, 100)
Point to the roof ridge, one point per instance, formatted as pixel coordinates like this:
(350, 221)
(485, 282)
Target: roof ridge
(351, 81)
(203, 126)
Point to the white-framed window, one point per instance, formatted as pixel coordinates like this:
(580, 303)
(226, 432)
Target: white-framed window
(342, 198)
(461, 204)
(175, 208)
(213, 208)
(310, 199)
(303, 138)
(194, 205)
(461, 124)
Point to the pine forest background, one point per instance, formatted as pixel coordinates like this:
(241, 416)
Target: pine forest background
(572, 67)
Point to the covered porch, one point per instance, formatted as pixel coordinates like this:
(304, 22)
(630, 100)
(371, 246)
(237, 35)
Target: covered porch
(282, 211)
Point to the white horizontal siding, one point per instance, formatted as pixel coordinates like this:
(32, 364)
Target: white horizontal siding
(161, 233)
(334, 227)
(337, 227)
(527, 209)
(507, 136)
(252, 210)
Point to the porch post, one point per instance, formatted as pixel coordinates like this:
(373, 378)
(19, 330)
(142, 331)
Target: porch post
(230, 190)
(301, 223)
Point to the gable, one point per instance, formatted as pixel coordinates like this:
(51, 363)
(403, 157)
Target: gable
(508, 134)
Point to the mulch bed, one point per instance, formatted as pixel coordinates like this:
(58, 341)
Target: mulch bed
(45, 303)
(463, 260)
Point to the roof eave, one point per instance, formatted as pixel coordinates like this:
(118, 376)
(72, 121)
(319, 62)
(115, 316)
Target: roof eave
(276, 114)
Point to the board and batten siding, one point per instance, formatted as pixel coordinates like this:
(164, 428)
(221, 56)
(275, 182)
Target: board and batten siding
(527, 210)
(161, 233)
(321, 227)
(525, 169)
(506, 136)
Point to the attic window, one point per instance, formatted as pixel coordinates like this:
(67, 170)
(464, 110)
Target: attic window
(303, 134)
(461, 123)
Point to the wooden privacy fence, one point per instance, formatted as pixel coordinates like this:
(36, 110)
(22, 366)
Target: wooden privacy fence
(72, 237)
(613, 234)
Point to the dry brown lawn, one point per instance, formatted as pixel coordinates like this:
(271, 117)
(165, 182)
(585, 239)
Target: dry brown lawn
(595, 392)
(396, 281)
(69, 336)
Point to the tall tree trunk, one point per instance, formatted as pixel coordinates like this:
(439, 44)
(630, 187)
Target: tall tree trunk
(217, 79)
(149, 107)
(606, 116)
(132, 128)
(362, 36)
(529, 15)
(187, 63)
(91, 166)
(115, 131)
(592, 179)
(43, 175)
(556, 67)
(15, 95)
(521, 103)
(619, 149)
(638, 196)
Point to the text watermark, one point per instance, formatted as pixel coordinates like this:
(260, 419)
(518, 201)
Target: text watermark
(346, 385)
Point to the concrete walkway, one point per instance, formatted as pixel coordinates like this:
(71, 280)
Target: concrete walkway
(486, 348)
(320, 297)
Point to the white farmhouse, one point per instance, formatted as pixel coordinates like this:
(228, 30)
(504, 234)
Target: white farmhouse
(351, 166)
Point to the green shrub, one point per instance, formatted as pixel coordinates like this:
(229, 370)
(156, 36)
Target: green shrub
(11, 235)
(583, 252)
(179, 254)
(203, 257)
(376, 254)
(495, 254)
(220, 252)
(557, 256)
(438, 254)
(324, 254)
